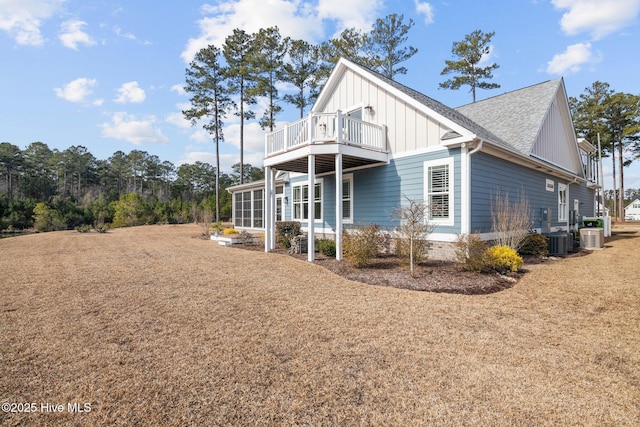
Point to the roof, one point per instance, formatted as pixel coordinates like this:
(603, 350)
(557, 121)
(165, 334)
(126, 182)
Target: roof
(515, 117)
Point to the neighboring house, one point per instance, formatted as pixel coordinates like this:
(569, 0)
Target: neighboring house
(369, 142)
(632, 211)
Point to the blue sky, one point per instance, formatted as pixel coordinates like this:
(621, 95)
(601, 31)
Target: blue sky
(108, 75)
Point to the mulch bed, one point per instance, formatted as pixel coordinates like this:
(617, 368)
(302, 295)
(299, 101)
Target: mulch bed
(430, 276)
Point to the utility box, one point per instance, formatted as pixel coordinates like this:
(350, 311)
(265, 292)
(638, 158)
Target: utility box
(592, 238)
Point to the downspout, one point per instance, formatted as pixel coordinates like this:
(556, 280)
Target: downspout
(575, 181)
(466, 225)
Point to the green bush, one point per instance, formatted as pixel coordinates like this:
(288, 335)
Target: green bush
(502, 258)
(47, 219)
(102, 228)
(361, 245)
(286, 231)
(534, 244)
(326, 247)
(84, 228)
(470, 250)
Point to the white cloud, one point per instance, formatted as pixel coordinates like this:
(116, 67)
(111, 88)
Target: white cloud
(424, 8)
(77, 90)
(129, 128)
(179, 89)
(597, 17)
(71, 34)
(22, 19)
(177, 118)
(130, 92)
(353, 13)
(294, 18)
(572, 60)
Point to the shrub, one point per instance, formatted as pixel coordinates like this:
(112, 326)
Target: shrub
(511, 220)
(361, 245)
(84, 228)
(47, 219)
(102, 228)
(245, 237)
(534, 244)
(420, 250)
(502, 258)
(285, 231)
(470, 250)
(228, 231)
(326, 247)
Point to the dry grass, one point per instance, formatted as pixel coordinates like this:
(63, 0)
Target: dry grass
(154, 327)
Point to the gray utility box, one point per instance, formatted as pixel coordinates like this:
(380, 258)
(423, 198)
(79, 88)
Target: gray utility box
(592, 238)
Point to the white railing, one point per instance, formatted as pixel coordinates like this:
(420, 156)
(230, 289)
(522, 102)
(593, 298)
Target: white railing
(320, 128)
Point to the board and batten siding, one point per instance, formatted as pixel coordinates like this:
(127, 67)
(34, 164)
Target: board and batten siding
(490, 175)
(408, 129)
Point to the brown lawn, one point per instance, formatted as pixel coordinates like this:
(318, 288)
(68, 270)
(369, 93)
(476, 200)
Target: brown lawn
(151, 326)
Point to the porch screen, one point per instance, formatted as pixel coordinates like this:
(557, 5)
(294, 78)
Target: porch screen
(248, 209)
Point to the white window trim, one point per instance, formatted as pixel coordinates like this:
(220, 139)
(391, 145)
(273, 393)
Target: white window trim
(562, 208)
(449, 161)
(318, 181)
(348, 219)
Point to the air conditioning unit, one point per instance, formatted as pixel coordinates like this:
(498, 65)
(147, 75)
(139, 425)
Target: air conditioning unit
(558, 243)
(592, 238)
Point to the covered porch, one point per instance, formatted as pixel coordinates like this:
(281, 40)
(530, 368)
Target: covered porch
(320, 143)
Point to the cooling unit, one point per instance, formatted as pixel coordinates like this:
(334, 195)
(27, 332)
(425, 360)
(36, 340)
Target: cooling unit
(558, 243)
(591, 238)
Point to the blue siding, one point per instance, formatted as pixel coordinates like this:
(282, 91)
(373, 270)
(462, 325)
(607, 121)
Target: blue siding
(378, 191)
(490, 174)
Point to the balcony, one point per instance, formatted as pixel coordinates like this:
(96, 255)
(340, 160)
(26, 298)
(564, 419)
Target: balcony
(325, 135)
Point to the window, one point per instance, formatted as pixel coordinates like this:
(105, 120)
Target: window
(301, 199)
(248, 209)
(257, 208)
(439, 190)
(562, 202)
(347, 198)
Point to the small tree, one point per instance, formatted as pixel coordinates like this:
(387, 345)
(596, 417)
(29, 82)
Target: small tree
(511, 220)
(413, 230)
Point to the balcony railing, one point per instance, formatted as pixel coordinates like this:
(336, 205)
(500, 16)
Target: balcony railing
(321, 128)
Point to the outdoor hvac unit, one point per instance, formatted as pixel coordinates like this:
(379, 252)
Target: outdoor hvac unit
(558, 243)
(592, 238)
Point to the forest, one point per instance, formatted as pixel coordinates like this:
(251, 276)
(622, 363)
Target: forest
(45, 189)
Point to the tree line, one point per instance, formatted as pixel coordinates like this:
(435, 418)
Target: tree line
(72, 187)
(612, 118)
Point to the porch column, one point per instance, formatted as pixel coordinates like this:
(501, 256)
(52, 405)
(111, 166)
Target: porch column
(339, 207)
(267, 209)
(272, 212)
(311, 239)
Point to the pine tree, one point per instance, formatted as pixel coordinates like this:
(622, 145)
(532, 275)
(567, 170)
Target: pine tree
(303, 71)
(270, 49)
(386, 45)
(470, 52)
(241, 76)
(210, 100)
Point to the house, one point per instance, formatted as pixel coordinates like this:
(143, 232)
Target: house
(369, 142)
(632, 211)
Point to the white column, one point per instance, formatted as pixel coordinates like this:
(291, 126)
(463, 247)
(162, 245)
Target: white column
(267, 209)
(339, 206)
(272, 214)
(311, 206)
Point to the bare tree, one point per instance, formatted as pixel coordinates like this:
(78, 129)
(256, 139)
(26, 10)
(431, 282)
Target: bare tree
(413, 230)
(511, 220)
